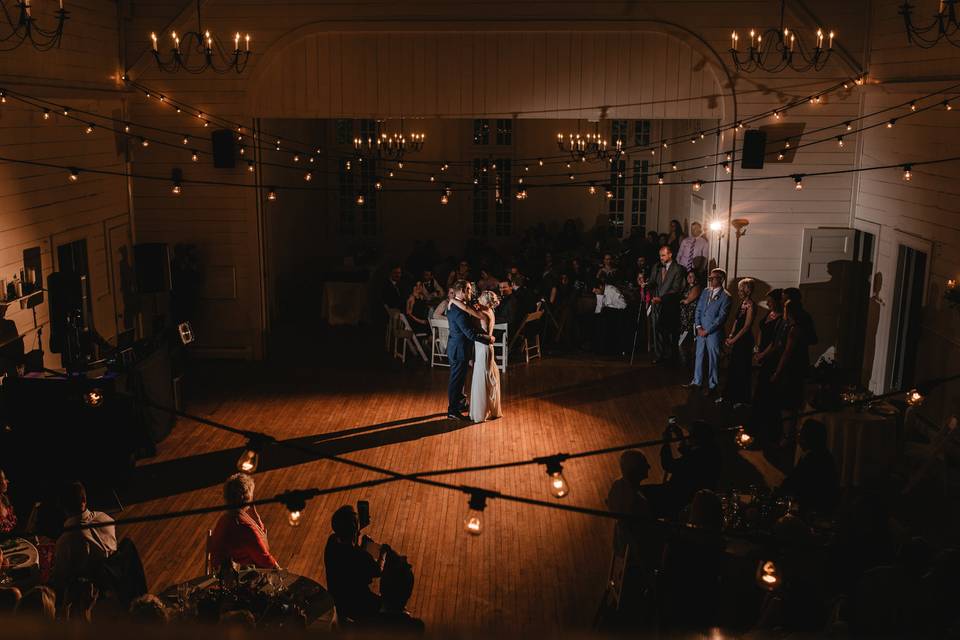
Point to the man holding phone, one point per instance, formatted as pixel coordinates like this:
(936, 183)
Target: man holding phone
(352, 562)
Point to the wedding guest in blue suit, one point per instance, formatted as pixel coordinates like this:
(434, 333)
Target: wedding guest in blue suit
(708, 322)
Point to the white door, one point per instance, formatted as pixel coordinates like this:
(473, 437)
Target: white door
(820, 248)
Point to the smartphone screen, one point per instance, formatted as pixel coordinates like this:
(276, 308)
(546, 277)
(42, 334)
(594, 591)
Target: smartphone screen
(363, 513)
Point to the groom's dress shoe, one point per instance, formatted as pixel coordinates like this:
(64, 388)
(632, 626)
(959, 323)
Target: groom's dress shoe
(457, 416)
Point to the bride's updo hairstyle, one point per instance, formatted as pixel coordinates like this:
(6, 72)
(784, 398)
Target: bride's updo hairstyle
(489, 299)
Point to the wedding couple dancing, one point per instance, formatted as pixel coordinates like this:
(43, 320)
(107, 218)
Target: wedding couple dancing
(471, 336)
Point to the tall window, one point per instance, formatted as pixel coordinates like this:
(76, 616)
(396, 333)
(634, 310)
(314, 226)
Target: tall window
(481, 198)
(481, 131)
(343, 130)
(503, 202)
(641, 133)
(638, 200)
(504, 131)
(618, 184)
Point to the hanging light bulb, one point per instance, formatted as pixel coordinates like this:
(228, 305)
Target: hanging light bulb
(739, 124)
(558, 484)
(249, 460)
(592, 189)
(89, 128)
(947, 105)
(251, 167)
(46, 114)
(308, 176)
(194, 156)
(742, 438)
(776, 115)
(780, 155)
(74, 175)
(390, 175)
(913, 106)
(360, 199)
(697, 185)
(296, 504)
(272, 194)
(849, 126)
(659, 178)
(186, 140)
(66, 111)
(608, 193)
(665, 144)
(126, 128)
(144, 142)
(914, 398)
(243, 150)
(3, 97)
(378, 185)
(347, 165)
(572, 177)
(907, 173)
(444, 199)
(891, 122)
(294, 516)
(177, 189)
(840, 141)
(400, 165)
(473, 523)
(444, 166)
(433, 178)
(93, 397)
(767, 575)
(798, 182)
(296, 157)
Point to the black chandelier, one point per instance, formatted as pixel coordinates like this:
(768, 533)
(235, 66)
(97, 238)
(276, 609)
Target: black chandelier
(201, 44)
(580, 146)
(779, 48)
(389, 146)
(24, 28)
(943, 25)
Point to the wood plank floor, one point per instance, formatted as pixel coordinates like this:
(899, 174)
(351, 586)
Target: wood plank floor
(532, 568)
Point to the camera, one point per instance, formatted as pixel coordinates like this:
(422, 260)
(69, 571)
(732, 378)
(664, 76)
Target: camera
(363, 513)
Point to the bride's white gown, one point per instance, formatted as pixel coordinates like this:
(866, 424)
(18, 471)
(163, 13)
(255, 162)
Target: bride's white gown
(485, 386)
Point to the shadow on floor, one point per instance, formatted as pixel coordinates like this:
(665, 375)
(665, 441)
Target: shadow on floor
(172, 477)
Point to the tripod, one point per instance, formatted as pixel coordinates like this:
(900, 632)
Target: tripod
(641, 317)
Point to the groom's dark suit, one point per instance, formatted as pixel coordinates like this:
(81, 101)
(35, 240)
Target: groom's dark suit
(463, 334)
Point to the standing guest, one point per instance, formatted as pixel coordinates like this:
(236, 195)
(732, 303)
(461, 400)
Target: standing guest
(651, 246)
(80, 551)
(396, 587)
(8, 519)
(740, 342)
(688, 310)
(641, 266)
(148, 609)
(239, 535)
(350, 569)
(667, 285)
(563, 305)
(708, 323)
(608, 268)
(803, 318)
(392, 293)
(697, 467)
(430, 284)
(675, 236)
(548, 274)
(612, 307)
(418, 309)
(9, 597)
(788, 378)
(694, 251)
(766, 413)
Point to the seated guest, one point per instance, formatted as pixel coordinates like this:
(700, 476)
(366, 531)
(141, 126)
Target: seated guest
(627, 496)
(148, 609)
(392, 293)
(507, 311)
(431, 287)
(40, 602)
(8, 519)
(487, 282)
(608, 268)
(813, 480)
(81, 597)
(612, 325)
(81, 552)
(440, 311)
(239, 535)
(350, 569)
(417, 309)
(697, 467)
(526, 302)
(396, 586)
(462, 272)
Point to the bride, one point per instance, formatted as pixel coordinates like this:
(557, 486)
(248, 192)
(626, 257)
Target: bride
(485, 386)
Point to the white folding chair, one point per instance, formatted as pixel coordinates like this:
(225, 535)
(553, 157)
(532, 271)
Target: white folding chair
(440, 330)
(500, 351)
(388, 338)
(406, 335)
(530, 349)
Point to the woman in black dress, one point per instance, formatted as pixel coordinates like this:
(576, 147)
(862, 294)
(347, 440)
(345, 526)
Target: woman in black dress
(675, 237)
(788, 378)
(740, 342)
(766, 413)
(688, 310)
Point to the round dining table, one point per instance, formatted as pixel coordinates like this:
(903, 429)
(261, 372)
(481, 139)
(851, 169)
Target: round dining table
(21, 563)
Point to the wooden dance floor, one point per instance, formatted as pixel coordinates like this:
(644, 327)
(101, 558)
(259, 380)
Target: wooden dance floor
(532, 568)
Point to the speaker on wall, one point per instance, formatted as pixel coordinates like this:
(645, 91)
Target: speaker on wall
(754, 148)
(152, 265)
(224, 156)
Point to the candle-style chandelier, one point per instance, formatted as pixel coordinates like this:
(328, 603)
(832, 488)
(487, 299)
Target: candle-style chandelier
(389, 146)
(197, 51)
(582, 146)
(943, 25)
(779, 48)
(24, 28)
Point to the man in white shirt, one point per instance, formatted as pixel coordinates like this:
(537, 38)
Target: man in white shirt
(80, 551)
(694, 251)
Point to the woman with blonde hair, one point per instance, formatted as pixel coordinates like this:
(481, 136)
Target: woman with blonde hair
(239, 535)
(485, 386)
(740, 342)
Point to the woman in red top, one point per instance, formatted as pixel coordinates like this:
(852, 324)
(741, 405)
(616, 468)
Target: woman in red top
(239, 534)
(8, 519)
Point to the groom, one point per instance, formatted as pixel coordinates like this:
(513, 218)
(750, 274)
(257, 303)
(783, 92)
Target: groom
(463, 333)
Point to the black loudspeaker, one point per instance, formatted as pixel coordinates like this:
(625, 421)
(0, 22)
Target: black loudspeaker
(224, 156)
(152, 263)
(754, 149)
(66, 300)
